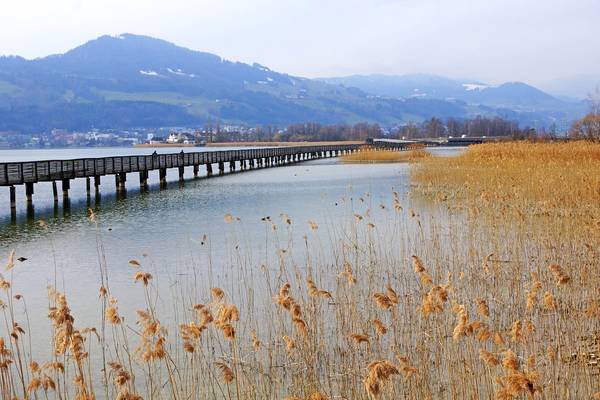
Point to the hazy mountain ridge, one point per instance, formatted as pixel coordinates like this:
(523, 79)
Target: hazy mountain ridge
(138, 81)
(516, 95)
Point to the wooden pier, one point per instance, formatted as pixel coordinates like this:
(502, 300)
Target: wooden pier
(63, 172)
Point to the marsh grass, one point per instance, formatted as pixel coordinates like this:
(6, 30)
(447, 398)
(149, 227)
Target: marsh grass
(544, 177)
(374, 156)
(467, 294)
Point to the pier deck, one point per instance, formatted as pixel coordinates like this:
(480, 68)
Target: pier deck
(30, 172)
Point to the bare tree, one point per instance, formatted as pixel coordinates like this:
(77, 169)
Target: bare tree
(589, 126)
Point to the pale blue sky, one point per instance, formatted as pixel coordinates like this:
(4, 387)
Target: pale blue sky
(492, 40)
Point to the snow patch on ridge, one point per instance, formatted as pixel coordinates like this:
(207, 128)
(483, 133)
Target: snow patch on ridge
(474, 86)
(180, 72)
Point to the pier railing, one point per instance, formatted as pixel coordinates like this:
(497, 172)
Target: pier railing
(18, 173)
(64, 171)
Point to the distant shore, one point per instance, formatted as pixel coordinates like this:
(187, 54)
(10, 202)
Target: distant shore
(276, 144)
(167, 145)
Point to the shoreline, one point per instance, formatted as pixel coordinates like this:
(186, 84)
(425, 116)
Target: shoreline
(148, 145)
(280, 144)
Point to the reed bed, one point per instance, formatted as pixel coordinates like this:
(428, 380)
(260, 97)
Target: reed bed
(373, 156)
(521, 176)
(424, 296)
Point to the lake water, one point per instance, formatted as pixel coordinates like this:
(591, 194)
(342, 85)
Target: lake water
(174, 230)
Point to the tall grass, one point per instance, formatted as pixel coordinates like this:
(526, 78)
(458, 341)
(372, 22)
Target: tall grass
(383, 156)
(465, 294)
(521, 176)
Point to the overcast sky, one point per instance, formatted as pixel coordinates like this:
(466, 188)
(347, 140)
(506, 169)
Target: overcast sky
(490, 40)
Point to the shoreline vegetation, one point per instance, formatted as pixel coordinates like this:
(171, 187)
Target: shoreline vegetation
(495, 296)
(376, 156)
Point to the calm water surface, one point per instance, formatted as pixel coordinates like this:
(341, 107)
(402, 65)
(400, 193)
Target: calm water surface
(164, 229)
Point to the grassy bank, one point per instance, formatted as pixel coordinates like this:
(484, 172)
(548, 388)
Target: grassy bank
(382, 156)
(482, 284)
(521, 176)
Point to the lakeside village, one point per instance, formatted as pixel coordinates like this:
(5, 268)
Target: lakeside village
(157, 137)
(311, 131)
(58, 138)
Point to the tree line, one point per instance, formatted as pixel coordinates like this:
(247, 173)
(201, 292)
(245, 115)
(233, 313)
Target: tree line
(432, 128)
(588, 127)
(452, 127)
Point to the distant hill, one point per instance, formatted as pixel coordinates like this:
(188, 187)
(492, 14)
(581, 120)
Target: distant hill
(138, 81)
(514, 97)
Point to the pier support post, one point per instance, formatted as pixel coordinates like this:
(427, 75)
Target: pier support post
(87, 186)
(221, 167)
(231, 166)
(120, 180)
(243, 166)
(13, 198)
(97, 183)
(66, 185)
(196, 171)
(54, 192)
(181, 171)
(30, 212)
(143, 181)
(162, 174)
(209, 171)
(29, 192)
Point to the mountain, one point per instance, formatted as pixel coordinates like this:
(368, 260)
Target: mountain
(136, 81)
(517, 97)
